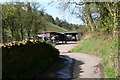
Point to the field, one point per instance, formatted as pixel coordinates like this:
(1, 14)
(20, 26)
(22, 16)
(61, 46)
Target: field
(52, 27)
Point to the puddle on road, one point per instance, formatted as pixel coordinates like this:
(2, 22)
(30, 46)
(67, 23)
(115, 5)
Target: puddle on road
(67, 68)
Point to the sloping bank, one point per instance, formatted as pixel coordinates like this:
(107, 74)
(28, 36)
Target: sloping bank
(26, 59)
(105, 46)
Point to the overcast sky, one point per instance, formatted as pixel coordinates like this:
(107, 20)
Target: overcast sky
(53, 10)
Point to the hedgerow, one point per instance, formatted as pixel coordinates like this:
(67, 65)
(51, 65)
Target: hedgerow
(26, 59)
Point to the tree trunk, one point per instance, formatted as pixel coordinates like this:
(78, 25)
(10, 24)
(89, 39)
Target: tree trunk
(28, 34)
(12, 34)
(22, 34)
(89, 17)
(113, 9)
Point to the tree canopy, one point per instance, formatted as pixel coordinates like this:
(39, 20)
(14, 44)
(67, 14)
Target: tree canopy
(24, 20)
(102, 16)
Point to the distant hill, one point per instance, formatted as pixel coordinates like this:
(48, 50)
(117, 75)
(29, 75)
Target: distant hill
(52, 27)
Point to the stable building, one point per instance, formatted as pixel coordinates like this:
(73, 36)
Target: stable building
(50, 35)
(72, 35)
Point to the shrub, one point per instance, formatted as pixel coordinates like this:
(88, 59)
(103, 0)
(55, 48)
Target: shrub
(27, 58)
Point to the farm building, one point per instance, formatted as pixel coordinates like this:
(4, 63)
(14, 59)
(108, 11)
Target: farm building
(73, 35)
(51, 35)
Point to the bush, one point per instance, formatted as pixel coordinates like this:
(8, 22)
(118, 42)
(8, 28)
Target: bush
(25, 59)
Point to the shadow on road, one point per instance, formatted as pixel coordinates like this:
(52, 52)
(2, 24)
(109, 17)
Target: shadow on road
(77, 69)
(67, 68)
(61, 70)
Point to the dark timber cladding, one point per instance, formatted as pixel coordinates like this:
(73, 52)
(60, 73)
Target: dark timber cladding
(72, 35)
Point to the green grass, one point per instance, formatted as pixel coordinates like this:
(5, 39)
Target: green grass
(105, 47)
(109, 72)
(52, 27)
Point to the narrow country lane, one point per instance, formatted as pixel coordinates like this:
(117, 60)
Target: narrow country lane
(85, 65)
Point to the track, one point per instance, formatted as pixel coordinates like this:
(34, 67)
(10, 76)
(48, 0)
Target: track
(85, 66)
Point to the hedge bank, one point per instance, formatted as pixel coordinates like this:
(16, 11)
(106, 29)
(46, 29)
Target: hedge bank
(27, 59)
